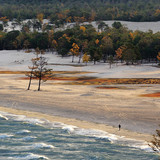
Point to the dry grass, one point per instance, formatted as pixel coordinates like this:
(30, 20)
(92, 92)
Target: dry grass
(13, 72)
(106, 81)
(74, 80)
(151, 95)
(107, 87)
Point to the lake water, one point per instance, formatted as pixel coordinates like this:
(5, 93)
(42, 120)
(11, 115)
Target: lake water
(23, 138)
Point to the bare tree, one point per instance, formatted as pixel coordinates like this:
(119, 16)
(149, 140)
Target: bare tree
(42, 72)
(30, 74)
(32, 68)
(38, 69)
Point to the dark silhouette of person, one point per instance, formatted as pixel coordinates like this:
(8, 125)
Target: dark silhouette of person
(119, 126)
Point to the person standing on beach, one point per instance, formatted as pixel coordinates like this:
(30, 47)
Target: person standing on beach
(119, 126)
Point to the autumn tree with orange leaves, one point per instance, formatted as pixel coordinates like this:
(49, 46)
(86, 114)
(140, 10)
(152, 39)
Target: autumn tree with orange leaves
(74, 51)
(119, 52)
(85, 58)
(158, 57)
(4, 20)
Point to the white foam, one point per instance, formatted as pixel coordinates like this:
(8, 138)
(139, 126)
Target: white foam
(28, 138)
(24, 131)
(75, 130)
(23, 118)
(3, 117)
(69, 128)
(5, 135)
(143, 146)
(41, 145)
(30, 156)
(57, 125)
(140, 144)
(97, 133)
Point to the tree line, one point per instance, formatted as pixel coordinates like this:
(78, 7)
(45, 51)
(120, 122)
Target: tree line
(60, 11)
(107, 44)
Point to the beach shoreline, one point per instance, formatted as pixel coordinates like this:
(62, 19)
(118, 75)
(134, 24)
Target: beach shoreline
(80, 124)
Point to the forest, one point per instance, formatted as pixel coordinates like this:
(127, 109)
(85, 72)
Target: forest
(83, 10)
(106, 44)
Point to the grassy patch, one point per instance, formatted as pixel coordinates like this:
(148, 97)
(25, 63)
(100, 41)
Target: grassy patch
(151, 95)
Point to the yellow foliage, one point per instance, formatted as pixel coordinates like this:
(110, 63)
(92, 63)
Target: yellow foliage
(50, 36)
(119, 51)
(79, 19)
(158, 56)
(82, 19)
(83, 28)
(75, 49)
(35, 59)
(4, 19)
(40, 17)
(64, 35)
(54, 43)
(133, 35)
(85, 58)
(157, 12)
(60, 15)
(68, 19)
(68, 39)
(28, 51)
(96, 41)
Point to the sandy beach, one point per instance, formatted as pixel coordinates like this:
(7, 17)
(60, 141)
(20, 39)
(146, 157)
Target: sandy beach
(86, 106)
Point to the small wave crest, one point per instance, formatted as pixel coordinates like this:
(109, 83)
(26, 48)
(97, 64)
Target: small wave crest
(69, 128)
(142, 145)
(24, 131)
(41, 145)
(22, 118)
(30, 156)
(5, 135)
(99, 134)
(74, 130)
(3, 117)
(28, 138)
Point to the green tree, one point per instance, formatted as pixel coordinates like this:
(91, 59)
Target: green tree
(110, 60)
(106, 47)
(1, 27)
(102, 26)
(117, 25)
(9, 39)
